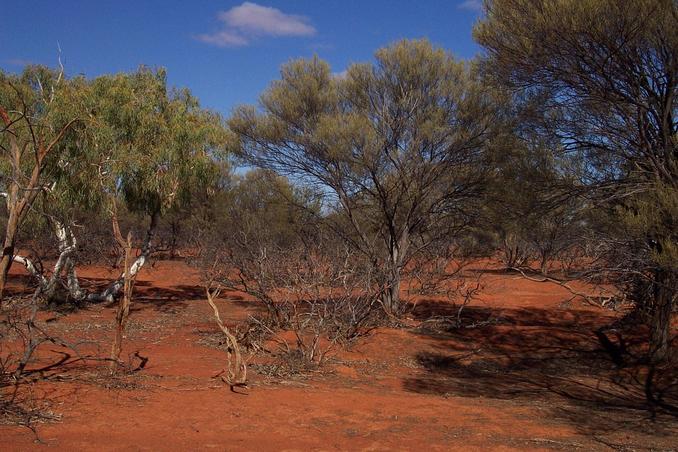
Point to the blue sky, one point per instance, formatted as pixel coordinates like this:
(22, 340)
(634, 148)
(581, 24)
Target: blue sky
(226, 52)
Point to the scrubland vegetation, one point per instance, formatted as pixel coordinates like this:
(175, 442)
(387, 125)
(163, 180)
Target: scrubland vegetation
(378, 200)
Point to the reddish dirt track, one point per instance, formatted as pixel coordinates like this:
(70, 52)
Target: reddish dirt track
(531, 375)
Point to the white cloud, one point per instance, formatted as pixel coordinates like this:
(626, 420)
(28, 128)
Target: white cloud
(340, 75)
(471, 5)
(223, 38)
(264, 20)
(243, 23)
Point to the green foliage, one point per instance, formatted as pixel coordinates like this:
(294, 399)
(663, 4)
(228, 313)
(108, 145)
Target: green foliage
(151, 145)
(651, 219)
(132, 146)
(136, 139)
(598, 75)
(50, 102)
(603, 73)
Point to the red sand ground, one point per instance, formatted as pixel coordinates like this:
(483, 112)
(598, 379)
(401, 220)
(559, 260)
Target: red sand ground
(534, 377)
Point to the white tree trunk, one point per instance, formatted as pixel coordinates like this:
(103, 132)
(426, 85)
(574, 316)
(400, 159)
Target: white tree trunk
(65, 263)
(67, 245)
(72, 281)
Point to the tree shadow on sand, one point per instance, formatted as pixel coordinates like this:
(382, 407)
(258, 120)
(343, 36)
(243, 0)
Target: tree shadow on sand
(556, 359)
(175, 299)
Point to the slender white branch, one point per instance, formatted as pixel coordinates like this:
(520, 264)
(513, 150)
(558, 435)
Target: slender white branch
(66, 248)
(32, 269)
(112, 290)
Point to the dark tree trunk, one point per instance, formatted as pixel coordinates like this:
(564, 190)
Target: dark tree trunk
(664, 292)
(544, 266)
(392, 295)
(397, 250)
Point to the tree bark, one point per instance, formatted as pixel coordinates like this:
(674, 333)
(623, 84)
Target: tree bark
(392, 295)
(397, 250)
(65, 264)
(72, 281)
(30, 268)
(122, 313)
(8, 245)
(544, 265)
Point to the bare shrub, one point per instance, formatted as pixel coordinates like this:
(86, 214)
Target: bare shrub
(21, 335)
(439, 272)
(311, 286)
(461, 291)
(514, 251)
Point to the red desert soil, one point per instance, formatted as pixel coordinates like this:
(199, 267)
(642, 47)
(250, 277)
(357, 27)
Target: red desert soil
(529, 374)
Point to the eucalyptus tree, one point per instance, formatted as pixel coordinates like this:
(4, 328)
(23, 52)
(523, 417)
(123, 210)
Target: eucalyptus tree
(599, 76)
(145, 146)
(154, 147)
(40, 110)
(397, 146)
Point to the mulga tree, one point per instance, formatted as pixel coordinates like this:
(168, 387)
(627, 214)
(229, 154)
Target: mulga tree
(397, 146)
(604, 73)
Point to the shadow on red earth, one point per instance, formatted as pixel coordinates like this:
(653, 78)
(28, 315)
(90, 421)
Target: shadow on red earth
(146, 295)
(554, 359)
(175, 299)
